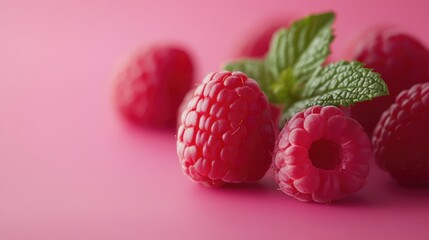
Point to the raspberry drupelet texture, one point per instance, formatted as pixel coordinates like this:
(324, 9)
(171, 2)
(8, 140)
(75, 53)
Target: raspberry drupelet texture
(226, 133)
(183, 105)
(401, 143)
(151, 84)
(402, 62)
(321, 155)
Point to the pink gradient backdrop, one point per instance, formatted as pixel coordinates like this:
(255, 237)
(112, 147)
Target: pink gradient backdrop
(70, 169)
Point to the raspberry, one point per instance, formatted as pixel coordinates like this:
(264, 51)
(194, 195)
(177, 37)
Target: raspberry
(321, 155)
(402, 62)
(151, 84)
(401, 137)
(183, 105)
(258, 44)
(227, 134)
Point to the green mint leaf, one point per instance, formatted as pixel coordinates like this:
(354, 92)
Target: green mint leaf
(342, 83)
(253, 68)
(302, 47)
(292, 75)
(282, 89)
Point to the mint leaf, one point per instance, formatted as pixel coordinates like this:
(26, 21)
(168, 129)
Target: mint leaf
(255, 69)
(342, 83)
(303, 47)
(292, 75)
(282, 89)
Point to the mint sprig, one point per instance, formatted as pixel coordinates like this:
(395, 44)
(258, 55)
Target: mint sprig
(341, 84)
(292, 74)
(301, 48)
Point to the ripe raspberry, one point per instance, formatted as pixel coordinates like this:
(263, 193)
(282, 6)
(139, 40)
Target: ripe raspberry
(321, 155)
(402, 62)
(401, 137)
(183, 105)
(259, 42)
(226, 135)
(151, 84)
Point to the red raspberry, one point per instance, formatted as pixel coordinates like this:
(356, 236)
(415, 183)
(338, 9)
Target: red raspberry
(226, 135)
(259, 42)
(321, 155)
(402, 62)
(401, 142)
(183, 105)
(151, 84)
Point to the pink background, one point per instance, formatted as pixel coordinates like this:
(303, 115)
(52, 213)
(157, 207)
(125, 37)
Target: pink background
(70, 168)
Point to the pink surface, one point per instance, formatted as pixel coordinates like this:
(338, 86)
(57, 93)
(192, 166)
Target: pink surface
(70, 169)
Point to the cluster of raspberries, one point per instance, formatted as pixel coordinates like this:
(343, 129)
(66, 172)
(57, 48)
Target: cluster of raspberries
(227, 132)
(227, 135)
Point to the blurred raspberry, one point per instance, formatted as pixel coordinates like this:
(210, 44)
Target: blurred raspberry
(151, 84)
(258, 42)
(401, 142)
(402, 62)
